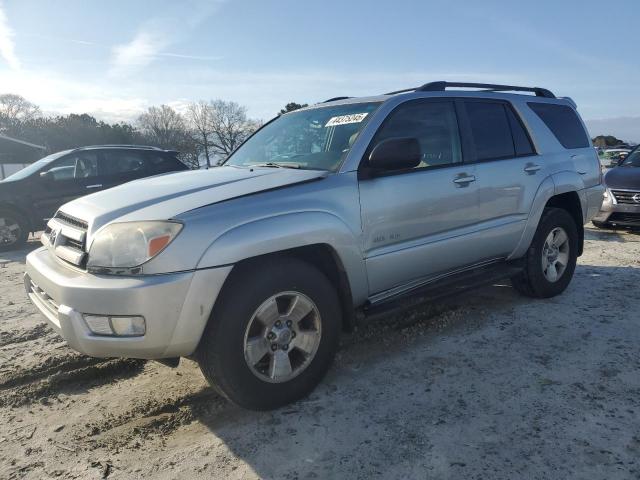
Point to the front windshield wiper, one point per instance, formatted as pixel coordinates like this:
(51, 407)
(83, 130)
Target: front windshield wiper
(276, 165)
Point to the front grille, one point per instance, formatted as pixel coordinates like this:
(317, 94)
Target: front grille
(630, 219)
(69, 220)
(627, 196)
(66, 236)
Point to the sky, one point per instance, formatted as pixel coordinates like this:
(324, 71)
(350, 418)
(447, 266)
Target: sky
(115, 58)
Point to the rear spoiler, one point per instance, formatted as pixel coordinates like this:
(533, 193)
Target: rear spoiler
(571, 102)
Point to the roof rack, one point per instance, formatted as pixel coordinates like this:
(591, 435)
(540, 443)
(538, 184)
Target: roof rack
(115, 145)
(442, 86)
(336, 99)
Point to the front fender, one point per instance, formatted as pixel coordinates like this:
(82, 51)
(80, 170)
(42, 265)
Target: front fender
(288, 231)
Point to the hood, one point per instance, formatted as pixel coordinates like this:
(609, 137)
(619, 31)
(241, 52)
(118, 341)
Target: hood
(166, 196)
(626, 178)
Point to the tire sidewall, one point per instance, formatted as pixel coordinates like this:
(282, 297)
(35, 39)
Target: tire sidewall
(223, 348)
(542, 286)
(24, 231)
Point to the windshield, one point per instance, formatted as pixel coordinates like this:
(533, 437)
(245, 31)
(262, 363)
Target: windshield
(316, 139)
(633, 160)
(34, 167)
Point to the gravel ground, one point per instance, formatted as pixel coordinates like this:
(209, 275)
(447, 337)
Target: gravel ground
(488, 385)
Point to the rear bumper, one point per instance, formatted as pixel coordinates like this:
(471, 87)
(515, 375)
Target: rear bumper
(176, 307)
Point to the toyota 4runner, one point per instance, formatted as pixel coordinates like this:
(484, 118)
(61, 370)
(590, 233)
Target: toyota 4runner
(323, 217)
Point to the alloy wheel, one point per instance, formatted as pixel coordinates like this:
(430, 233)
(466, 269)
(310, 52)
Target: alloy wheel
(282, 337)
(555, 254)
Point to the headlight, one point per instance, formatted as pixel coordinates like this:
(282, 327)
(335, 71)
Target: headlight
(128, 245)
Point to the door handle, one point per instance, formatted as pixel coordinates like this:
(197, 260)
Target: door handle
(464, 180)
(97, 185)
(532, 168)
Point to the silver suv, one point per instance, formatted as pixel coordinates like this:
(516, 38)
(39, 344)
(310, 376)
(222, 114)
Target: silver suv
(323, 217)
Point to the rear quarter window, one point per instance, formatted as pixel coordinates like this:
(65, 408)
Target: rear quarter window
(563, 122)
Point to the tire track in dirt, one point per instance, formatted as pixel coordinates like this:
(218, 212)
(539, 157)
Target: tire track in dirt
(51, 366)
(13, 337)
(69, 381)
(153, 417)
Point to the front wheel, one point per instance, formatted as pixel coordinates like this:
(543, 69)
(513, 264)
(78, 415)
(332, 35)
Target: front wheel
(551, 259)
(272, 334)
(13, 231)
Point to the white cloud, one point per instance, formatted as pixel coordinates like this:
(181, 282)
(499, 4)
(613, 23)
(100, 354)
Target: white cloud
(7, 46)
(159, 33)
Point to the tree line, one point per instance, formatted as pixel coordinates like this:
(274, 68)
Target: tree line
(205, 133)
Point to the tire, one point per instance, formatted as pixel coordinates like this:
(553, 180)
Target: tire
(533, 281)
(14, 231)
(234, 323)
(600, 225)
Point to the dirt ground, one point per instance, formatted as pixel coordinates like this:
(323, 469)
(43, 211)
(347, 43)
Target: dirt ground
(488, 385)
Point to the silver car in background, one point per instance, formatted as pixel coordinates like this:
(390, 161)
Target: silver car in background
(325, 216)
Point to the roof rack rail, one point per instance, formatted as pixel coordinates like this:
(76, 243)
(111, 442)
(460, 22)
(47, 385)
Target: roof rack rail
(123, 145)
(441, 86)
(334, 99)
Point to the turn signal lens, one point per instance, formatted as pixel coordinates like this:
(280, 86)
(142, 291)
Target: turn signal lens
(157, 244)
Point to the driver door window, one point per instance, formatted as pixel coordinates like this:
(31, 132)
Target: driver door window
(433, 124)
(84, 165)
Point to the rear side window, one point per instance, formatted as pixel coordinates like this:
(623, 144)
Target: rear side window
(491, 130)
(121, 162)
(159, 163)
(563, 123)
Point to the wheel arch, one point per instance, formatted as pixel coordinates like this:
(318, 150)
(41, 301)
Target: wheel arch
(319, 238)
(570, 202)
(10, 207)
(564, 190)
(326, 260)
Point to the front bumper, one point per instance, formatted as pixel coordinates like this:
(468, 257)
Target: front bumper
(176, 306)
(626, 215)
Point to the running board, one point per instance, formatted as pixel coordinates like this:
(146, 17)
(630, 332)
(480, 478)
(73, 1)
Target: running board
(442, 287)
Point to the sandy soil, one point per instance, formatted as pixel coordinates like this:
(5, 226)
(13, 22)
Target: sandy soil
(488, 385)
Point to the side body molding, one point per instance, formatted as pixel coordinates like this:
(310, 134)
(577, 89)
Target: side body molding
(287, 231)
(556, 184)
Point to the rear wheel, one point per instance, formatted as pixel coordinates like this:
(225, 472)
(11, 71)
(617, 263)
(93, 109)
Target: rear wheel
(272, 334)
(13, 230)
(551, 258)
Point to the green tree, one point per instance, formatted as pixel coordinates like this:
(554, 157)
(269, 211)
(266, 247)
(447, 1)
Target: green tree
(291, 106)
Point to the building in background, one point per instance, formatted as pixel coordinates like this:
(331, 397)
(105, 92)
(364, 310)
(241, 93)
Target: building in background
(16, 154)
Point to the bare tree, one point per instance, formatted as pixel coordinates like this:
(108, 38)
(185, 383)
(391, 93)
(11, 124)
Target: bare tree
(163, 126)
(16, 109)
(200, 118)
(230, 126)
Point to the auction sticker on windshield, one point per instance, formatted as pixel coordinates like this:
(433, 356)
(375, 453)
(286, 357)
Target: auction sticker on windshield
(344, 119)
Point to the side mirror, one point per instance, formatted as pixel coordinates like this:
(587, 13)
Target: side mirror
(396, 154)
(46, 175)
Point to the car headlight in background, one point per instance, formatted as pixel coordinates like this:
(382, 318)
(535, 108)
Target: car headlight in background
(130, 244)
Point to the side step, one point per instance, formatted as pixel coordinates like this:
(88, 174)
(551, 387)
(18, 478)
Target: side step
(442, 287)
